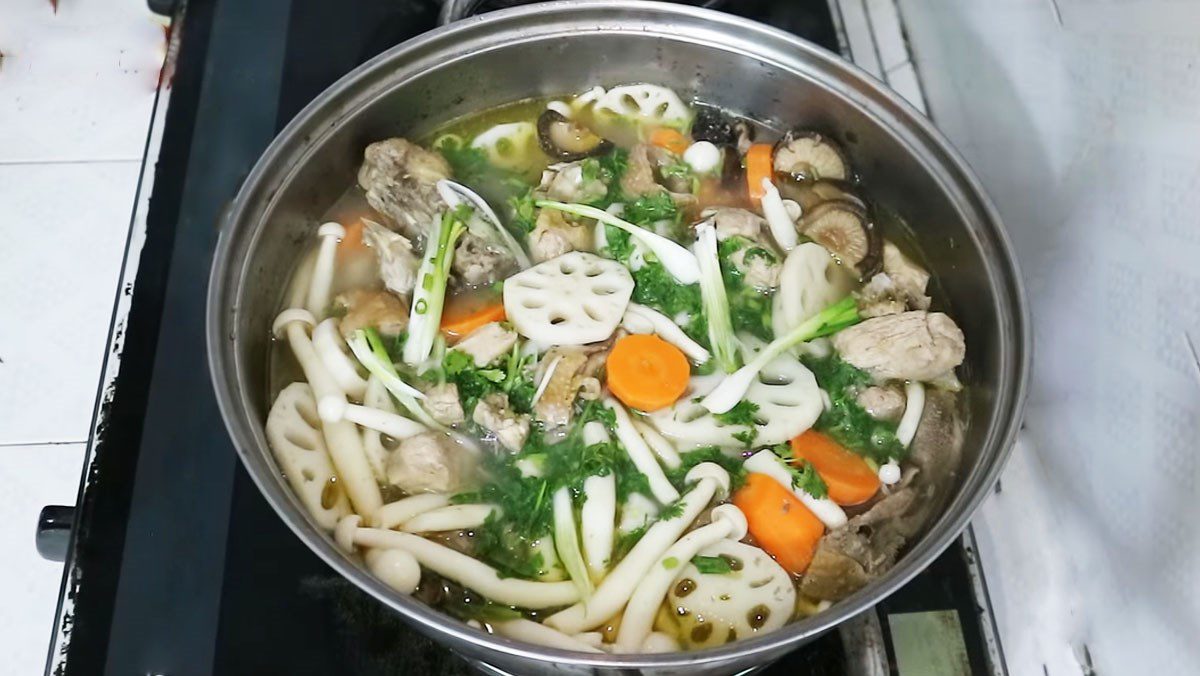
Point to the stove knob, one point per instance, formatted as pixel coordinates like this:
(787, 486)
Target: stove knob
(54, 531)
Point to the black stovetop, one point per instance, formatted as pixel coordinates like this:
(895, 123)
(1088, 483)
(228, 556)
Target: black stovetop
(178, 566)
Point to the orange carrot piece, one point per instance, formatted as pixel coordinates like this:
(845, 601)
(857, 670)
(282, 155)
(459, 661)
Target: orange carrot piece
(457, 325)
(646, 372)
(848, 477)
(758, 167)
(779, 522)
(353, 242)
(671, 139)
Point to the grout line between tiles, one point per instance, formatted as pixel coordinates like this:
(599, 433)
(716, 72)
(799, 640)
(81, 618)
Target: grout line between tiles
(893, 69)
(13, 444)
(17, 163)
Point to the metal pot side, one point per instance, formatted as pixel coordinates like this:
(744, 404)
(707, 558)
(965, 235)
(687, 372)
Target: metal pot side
(563, 47)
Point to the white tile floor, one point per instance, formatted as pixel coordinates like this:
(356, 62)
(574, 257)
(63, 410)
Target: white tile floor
(76, 94)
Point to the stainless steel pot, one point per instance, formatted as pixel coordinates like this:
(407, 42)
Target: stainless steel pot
(564, 47)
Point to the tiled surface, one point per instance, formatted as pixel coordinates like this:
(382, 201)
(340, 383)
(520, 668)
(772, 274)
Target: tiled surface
(33, 476)
(1092, 548)
(70, 222)
(77, 83)
(76, 92)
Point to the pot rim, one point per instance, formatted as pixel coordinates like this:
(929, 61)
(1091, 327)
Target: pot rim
(536, 22)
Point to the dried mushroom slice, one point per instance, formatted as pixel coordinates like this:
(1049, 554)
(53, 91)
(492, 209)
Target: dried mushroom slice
(754, 597)
(295, 436)
(845, 229)
(566, 140)
(809, 156)
(574, 299)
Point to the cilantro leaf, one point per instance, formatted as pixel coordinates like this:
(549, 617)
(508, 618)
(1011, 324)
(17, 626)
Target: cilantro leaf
(712, 565)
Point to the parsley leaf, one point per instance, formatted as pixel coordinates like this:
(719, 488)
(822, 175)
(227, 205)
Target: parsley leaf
(846, 421)
(742, 413)
(689, 459)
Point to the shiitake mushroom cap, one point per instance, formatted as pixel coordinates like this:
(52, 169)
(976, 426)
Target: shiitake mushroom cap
(809, 155)
(847, 230)
(567, 141)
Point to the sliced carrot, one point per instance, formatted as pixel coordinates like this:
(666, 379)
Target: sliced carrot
(458, 321)
(779, 522)
(671, 139)
(850, 479)
(646, 372)
(352, 242)
(758, 167)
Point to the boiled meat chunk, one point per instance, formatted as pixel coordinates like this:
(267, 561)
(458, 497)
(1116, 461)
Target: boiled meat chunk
(398, 177)
(914, 345)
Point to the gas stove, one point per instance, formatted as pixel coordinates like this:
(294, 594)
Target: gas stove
(175, 565)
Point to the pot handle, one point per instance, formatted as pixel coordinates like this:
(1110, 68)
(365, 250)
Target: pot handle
(54, 531)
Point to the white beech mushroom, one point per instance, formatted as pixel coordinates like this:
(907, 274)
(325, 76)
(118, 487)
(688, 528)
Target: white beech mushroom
(664, 449)
(783, 227)
(299, 447)
(638, 511)
(766, 462)
(638, 620)
(329, 344)
(640, 453)
(566, 541)
(613, 593)
(597, 517)
(641, 319)
(470, 572)
(540, 634)
(341, 436)
(322, 279)
(450, 517)
(376, 396)
(397, 568)
(395, 513)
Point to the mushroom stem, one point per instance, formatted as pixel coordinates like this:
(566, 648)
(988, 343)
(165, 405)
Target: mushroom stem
(392, 424)
(914, 406)
(596, 520)
(614, 591)
(395, 513)
(328, 344)
(640, 454)
(663, 448)
(452, 517)
(638, 620)
(341, 437)
(783, 228)
(322, 280)
(540, 634)
(470, 572)
(641, 319)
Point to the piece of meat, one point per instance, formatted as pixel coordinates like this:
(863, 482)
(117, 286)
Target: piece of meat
(508, 427)
(661, 158)
(372, 308)
(868, 545)
(478, 262)
(899, 287)
(882, 402)
(443, 404)
(565, 182)
(554, 236)
(555, 405)
(910, 278)
(758, 270)
(398, 177)
(426, 463)
(487, 343)
(916, 345)
(734, 222)
(638, 179)
(398, 264)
